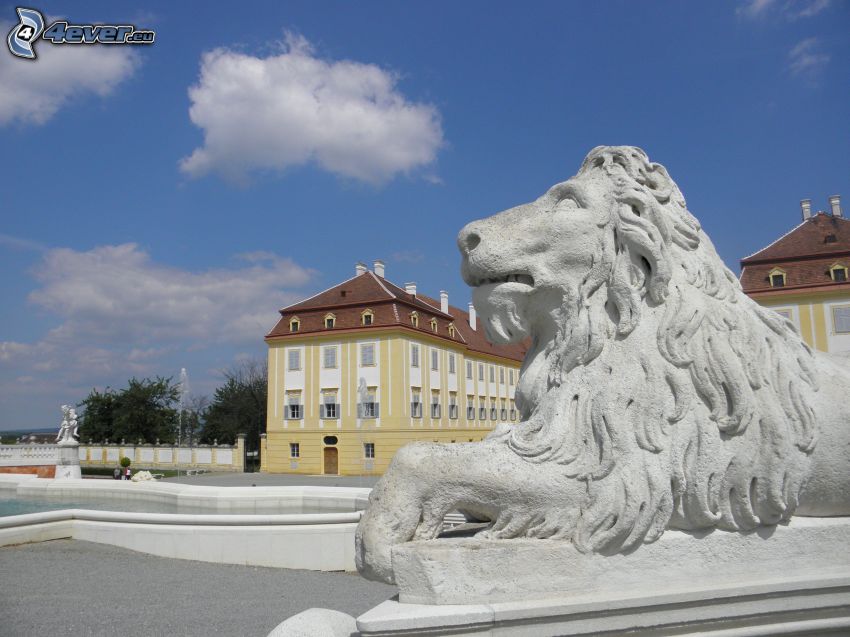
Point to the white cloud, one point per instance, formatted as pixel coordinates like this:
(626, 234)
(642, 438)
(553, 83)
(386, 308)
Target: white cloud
(295, 108)
(754, 8)
(33, 91)
(790, 9)
(119, 293)
(806, 59)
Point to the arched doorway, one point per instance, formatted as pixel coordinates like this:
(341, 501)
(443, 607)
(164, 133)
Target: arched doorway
(331, 461)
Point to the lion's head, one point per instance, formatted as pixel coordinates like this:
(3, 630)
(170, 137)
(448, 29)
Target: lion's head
(651, 375)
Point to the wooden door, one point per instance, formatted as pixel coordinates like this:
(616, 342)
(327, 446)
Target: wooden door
(331, 461)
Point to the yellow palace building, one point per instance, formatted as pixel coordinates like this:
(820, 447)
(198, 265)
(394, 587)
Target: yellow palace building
(803, 275)
(364, 367)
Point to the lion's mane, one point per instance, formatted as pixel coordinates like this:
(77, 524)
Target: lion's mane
(677, 399)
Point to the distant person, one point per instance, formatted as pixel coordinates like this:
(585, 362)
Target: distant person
(116, 473)
(127, 473)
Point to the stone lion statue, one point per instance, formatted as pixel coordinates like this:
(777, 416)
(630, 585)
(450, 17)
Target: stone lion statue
(655, 394)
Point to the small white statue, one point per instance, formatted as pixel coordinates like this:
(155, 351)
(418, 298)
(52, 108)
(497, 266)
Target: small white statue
(68, 428)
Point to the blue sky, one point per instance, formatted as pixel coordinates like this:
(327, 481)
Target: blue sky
(159, 204)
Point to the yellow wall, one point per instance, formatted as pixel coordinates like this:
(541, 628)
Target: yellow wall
(811, 310)
(395, 427)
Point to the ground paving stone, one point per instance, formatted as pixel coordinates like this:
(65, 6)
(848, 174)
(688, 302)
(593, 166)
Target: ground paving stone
(68, 587)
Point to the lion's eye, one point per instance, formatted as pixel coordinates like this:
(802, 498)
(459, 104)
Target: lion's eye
(568, 201)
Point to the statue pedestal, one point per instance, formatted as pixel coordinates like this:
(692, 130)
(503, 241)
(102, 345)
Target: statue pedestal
(68, 465)
(792, 579)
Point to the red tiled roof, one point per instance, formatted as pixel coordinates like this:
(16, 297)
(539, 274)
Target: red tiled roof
(807, 239)
(391, 307)
(805, 254)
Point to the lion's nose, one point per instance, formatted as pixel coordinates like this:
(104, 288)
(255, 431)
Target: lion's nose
(468, 239)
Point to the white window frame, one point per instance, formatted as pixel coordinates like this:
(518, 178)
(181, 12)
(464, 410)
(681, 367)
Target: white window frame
(294, 449)
(364, 347)
(369, 450)
(326, 349)
(435, 360)
(289, 356)
(844, 308)
(414, 355)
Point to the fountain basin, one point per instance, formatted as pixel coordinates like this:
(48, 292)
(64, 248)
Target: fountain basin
(287, 527)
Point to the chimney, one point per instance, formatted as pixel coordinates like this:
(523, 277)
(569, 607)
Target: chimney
(360, 268)
(472, 316)
(410, 288)
(444, 302)
(379, 268)
(806, 206)
(835, 204)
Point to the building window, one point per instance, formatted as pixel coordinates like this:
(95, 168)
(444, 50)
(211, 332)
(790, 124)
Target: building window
(294, 324)
(784, 313)
(433, 325)
(503, 412)
(293, 409)
(511, 376)
(452, 330)
(330, 321)
(416, 405)
(841, 319)
(502, 375)
(369, 450)
(367, 354)
(367, 317)
(294, 450)
(435, 405)
(329, 409)
(469, 370)
(294, 359)
(481, 371)
(494, 414)
(414, 355)
(435, 359)
(329, 357)
(470, 408)
(482, 409)
(451, 363)
(453, 406)
(369, 407)
(492, 374)
(777, 278)
(838, 273)
(513, 410)
(414, 319)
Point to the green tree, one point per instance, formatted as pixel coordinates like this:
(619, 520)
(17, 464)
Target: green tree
(97, 419)
(238, 406)
(144, 410)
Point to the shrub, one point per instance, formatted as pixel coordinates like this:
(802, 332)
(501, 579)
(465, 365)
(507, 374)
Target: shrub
(125, 462)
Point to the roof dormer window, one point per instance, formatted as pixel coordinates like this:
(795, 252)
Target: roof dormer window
(777, 278)
(330, 321)
(294, 324)
(452, 330)
(414, 318)
(433, 325)
(838, 273)
(367, 317)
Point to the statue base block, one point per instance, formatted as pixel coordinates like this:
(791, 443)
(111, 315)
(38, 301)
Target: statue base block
(786, 580)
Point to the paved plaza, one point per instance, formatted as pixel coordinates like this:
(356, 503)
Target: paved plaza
(68, 587)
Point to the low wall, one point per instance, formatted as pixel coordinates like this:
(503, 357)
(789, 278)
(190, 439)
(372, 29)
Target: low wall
(210, 457)
(39, 460)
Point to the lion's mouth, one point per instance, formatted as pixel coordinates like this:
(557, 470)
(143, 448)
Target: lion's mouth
(524, 279)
